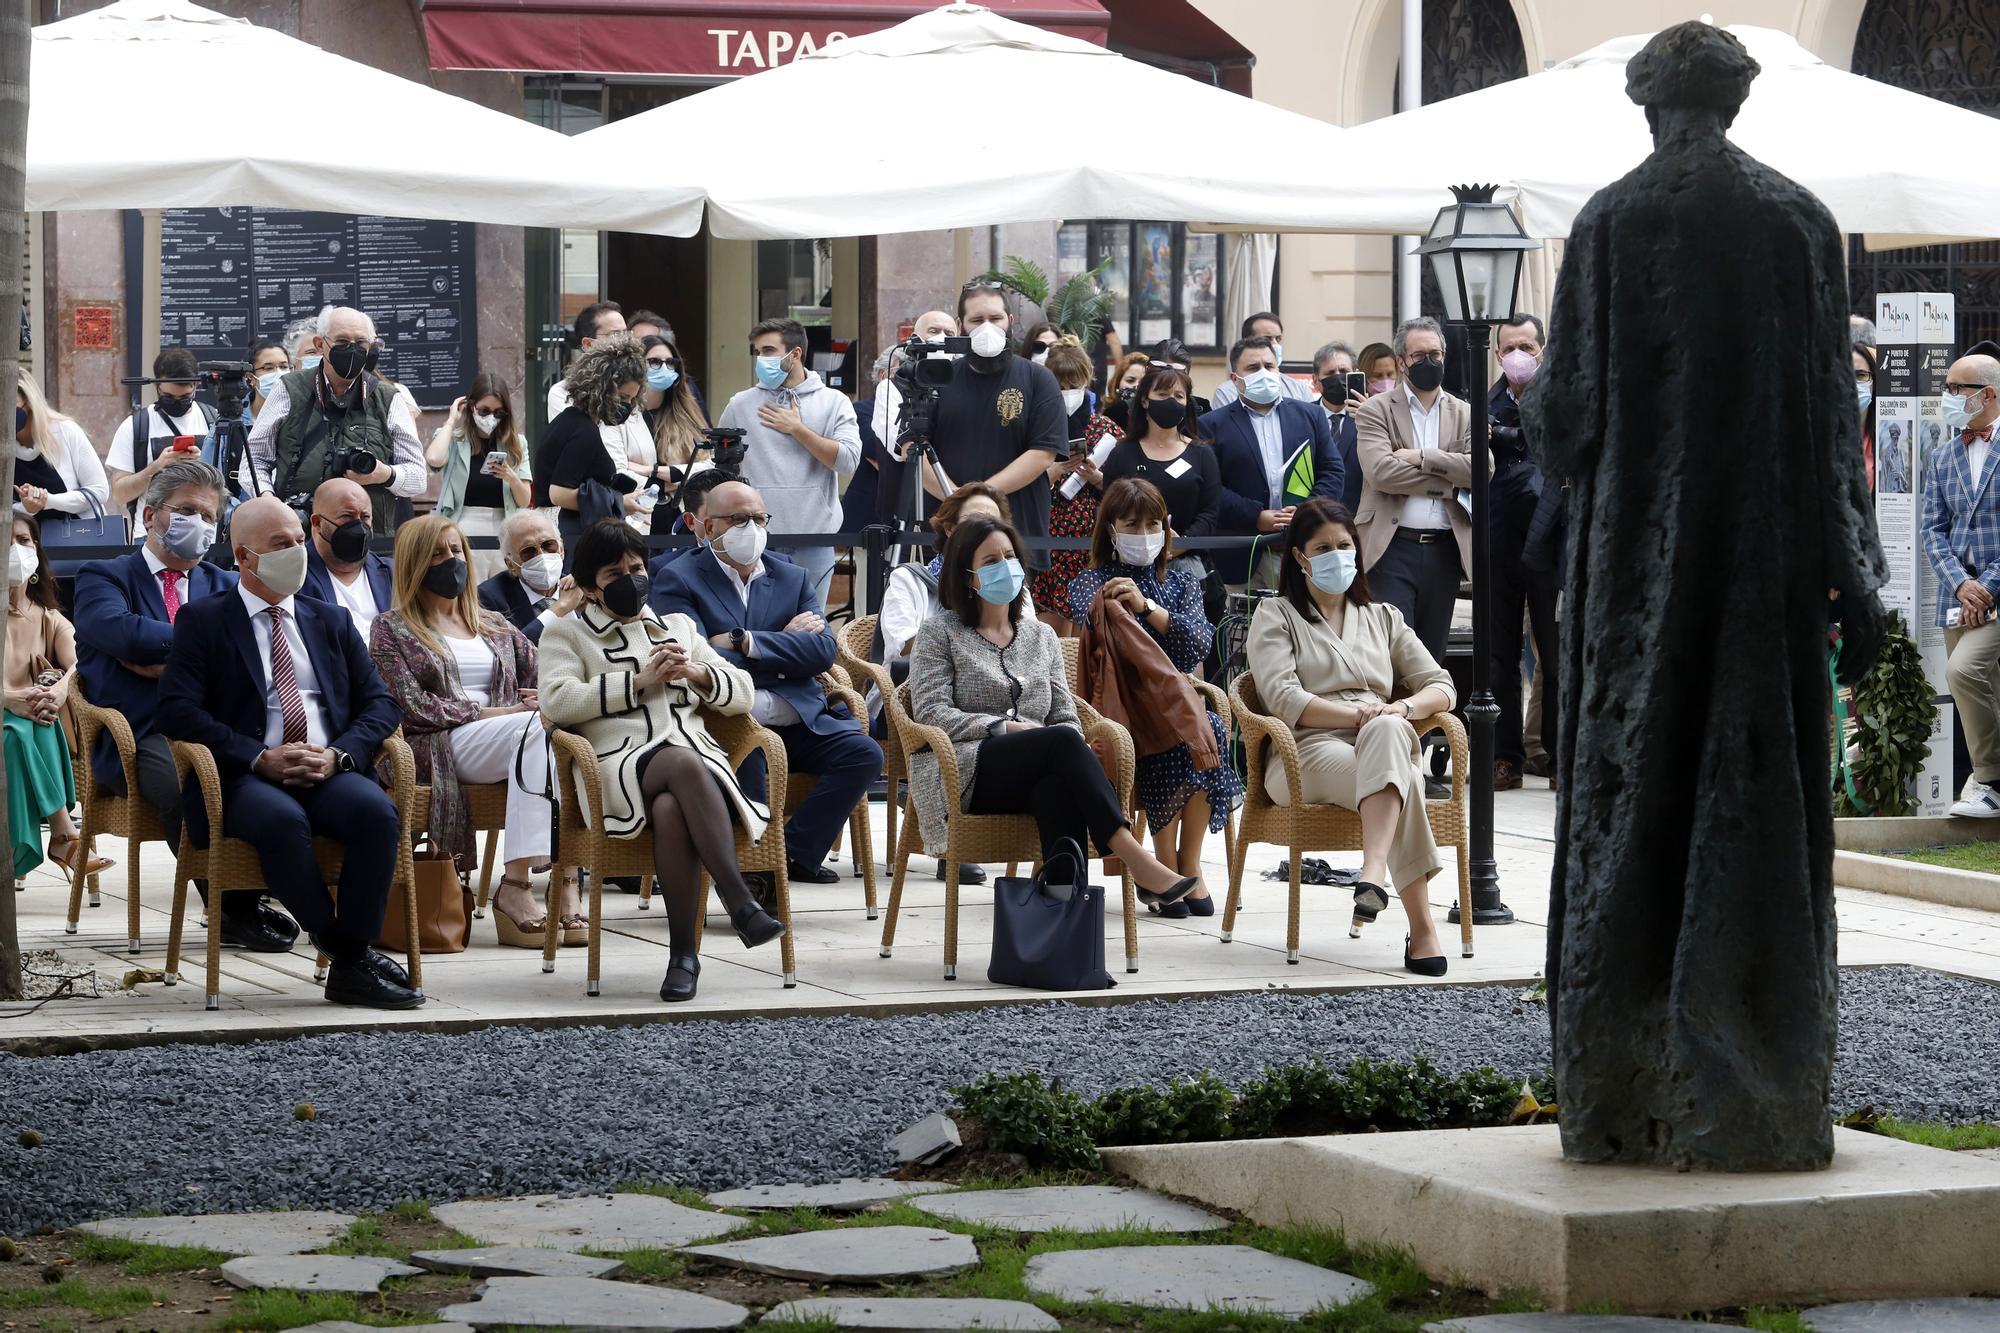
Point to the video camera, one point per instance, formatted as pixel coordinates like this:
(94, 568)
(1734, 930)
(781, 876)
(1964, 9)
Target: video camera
(229, 379)
(726, 448)
(926, 369)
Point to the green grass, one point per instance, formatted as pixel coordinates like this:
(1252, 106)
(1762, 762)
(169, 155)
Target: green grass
(103, 1302)
(413, 1210)
(1983, 857)
(366, 1235)
(646, 1262)
(141, 1259)
(680, 1194)
(296, 1309)
(1775, 1321)
(1937, 1134)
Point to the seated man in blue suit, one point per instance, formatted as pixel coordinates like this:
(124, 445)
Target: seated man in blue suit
(532, 591)
(340, 569)
(125, 611)
(283, 692)
(761, 615)
(1257, 439)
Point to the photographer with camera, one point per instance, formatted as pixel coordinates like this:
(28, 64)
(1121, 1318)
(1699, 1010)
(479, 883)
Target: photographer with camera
(175, 414)
(801, 440)
(338, 420)
(1517, 490)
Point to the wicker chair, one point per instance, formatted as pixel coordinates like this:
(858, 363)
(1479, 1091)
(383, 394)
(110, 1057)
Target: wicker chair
(982, 838)
(581, 782)
(1302, 827)
(129, 816)
(488, 803)
(853, 645)
(230, 864)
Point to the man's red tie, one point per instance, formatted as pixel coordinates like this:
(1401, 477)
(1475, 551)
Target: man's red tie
(1966, 437)
(170, 590)
(285, 681)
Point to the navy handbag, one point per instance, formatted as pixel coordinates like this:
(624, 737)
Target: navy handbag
(1048, 932)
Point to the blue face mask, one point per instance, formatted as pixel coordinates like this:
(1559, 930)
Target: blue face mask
(1000, 582)
(309, 362)
(1865, 392)
(770, 371)
(661, 378)
(268, 381)
(1332, 571)
(1262, 386)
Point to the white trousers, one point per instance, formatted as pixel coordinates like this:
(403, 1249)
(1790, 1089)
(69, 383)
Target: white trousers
(484, 751)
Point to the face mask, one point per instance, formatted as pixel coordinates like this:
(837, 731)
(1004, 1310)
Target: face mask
(21, 564)
(268, 381)
(1000, 582)
(347, 359)
(1380, 386)
(188, 537)
(1333, 388)
(543, 573)
(1425, 376)
(1519, 367)
(1278, 351)
(309, 362)
(770, 371)
(1040, 358)
(1072, 400)
(1262, 386)
(619, 410)
(1865, 392)
(487, 422)
(744, 545)
(625, 596)
(1957, 412)
(282, 571)
(1331, 571)
(349, 541)
(989, 339)
(1167, 413)
(661, 378)
(175, 407)
(446, 578)
(1139, 548)
(20, 418)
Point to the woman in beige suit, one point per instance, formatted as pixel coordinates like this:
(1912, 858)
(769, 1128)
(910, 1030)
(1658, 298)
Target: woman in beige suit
(1352, 680)
(634, 684)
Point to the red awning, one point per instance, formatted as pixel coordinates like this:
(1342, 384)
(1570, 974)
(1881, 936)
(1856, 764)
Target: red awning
(1173, 34)
(690, 38)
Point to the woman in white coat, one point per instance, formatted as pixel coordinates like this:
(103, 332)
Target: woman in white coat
(634, 685)
(57, 473)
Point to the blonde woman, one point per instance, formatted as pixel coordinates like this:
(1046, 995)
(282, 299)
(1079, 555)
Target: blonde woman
(57, 472)
(484, 464)
(465, 679)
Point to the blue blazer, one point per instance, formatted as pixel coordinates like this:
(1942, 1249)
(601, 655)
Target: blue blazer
(787, 662)
(319, 579)
(120, 617)
(213, 691)
(1961, 520)
(1345, 438)
(504, 594)
(1246, 490)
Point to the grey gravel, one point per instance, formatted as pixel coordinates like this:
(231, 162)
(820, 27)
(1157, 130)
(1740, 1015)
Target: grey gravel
(716, 1105)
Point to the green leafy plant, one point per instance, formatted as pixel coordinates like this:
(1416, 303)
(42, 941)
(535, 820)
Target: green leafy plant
(1893, 713)
(1045, 1123)
(1077, 307)
(1190, 1111)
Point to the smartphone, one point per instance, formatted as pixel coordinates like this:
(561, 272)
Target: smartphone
(186, 444)
(1078, 447)
(1357, 383)
(491, 466)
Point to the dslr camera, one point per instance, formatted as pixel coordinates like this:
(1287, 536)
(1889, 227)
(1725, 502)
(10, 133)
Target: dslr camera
(350, 459)
(726, 448)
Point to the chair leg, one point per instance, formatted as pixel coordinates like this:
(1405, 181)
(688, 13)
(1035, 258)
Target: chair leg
(78, 875)
(950, 912)
(1012, 867)
(889, 816)
(552, 930)
(181, 882)
(903, 852)
(864, 856)
(214, 953)
(1292, 914)
(1239, 849)
(645, 893)
(320, 965)
(1131, 897)
(591, 986)
(131, 894)
(782, 882)
(96, 888)
(413, 954)
(1464, 898)
(486, 872)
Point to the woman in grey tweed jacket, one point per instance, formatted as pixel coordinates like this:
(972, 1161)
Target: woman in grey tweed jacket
(994, 682)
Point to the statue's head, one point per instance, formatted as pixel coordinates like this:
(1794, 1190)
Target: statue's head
(1696, 67)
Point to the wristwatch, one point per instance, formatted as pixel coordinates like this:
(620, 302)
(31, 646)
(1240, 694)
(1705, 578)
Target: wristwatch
(737, 638)
(343, 762)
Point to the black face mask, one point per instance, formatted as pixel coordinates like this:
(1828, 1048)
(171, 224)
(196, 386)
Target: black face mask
(1424, 376)
(1167, 413)
(446, 578)
(349, 541)
(1333, 388)
(173, 406)
(20, 418)
(619, 410)
(349, 359)
(626, 594)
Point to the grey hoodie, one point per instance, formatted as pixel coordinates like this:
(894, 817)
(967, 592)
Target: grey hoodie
(801, 493)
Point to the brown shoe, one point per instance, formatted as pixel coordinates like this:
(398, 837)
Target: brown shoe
(1506, 777)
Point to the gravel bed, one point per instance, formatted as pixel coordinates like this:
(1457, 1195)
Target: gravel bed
(719, 1104)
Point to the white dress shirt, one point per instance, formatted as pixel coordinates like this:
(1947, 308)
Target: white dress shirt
(302, 670)
(1422, 512)
(358, 598)
(766, 707)
(1271, 444)
(412, 475)
(1975, 458)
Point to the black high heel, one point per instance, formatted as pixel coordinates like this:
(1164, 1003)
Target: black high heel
(755, 926)
(1369, 900)
(1173, 893)
(683, 970)
(1423, 967)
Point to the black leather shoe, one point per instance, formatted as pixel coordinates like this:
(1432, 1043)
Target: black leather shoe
(683, 970)
(970, 873)
(1369, 900)
(356, 983)
(1423, 967)
(1172, 894)
(799, 874)
(387, 968)
(756, 927)
(260, 930)
(762, 888)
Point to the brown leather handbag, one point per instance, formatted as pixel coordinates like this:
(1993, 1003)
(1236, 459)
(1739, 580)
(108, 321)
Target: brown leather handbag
(444, 907)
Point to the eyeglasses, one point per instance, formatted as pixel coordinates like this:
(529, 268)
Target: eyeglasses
(984, 285)
(547, 546)
(1951, 387)
(743, 520)
(1435, 358)
(674, 362)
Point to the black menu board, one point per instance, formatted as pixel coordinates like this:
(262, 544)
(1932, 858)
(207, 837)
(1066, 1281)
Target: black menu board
(229, 275)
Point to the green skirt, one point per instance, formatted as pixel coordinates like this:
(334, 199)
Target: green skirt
(39, 783)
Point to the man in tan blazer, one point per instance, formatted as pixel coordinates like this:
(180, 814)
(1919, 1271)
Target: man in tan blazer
(1414, 444)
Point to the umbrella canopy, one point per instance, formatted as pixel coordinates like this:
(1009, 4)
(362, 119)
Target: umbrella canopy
(412, 151)
(936, 138)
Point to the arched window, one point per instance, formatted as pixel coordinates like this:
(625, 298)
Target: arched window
(1950, 50)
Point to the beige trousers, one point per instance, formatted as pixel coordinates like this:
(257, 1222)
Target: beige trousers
(1344, 768)
(1973, 675)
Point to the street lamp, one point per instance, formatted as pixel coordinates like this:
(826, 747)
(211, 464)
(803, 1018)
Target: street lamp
(1474, 248)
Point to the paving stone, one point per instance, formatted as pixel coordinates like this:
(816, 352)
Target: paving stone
(859, 1254)
(1193, 1277)
(591, 1303)
(1563, 1323)
(595, 1222)
(928, 1140)
(906, 1315)
(231, 1233)
(314, 1272)
(1072, 1208)
(1944, 1314)
(349, 1326)
(840, 1196)
(517, 1261)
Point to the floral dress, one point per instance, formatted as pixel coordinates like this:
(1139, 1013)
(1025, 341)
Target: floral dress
(1074, 517)
(1166, 782)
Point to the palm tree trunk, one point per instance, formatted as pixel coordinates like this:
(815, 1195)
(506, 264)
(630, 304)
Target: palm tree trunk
(14, 44)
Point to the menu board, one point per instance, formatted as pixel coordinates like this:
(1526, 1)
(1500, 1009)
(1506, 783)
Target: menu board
(229, 275)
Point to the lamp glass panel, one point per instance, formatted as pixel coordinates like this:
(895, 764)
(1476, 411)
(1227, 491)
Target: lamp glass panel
(1445, 269)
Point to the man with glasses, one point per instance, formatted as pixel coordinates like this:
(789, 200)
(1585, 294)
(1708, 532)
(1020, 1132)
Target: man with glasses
(1961, 534)
(1414, 443)
(335, 419)
(759, 612)
(532, 591)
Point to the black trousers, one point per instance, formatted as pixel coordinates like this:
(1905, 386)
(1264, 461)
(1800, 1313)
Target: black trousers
(1518, 590)
(1420, 578)
(1052, 774)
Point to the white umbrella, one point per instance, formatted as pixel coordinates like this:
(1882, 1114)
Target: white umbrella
(932, 138)
(386, 145)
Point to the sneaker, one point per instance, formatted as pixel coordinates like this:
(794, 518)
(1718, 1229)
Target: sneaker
(1977, 801)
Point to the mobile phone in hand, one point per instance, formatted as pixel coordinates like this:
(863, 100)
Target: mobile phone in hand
(1357, 383)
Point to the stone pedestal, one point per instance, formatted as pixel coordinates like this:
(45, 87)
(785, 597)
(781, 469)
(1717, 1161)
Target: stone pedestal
(1500, 1210)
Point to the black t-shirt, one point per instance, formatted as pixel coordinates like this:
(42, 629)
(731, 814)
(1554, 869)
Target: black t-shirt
(571, 453)
(1192, 493)
(482, 488)
(983, 422)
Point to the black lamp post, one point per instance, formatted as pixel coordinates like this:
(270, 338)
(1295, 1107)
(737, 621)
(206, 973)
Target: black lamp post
(1474, 249)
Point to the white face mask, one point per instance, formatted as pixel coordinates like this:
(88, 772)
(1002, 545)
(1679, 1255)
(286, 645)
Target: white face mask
(1278, 351)
(21, 564)
(543, 573)
(1072, 399)
(744, 544)
(1262, 386)
(989, 339)
(1040, 358)
(486, 421)
(282, 571)
(1139, 548)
